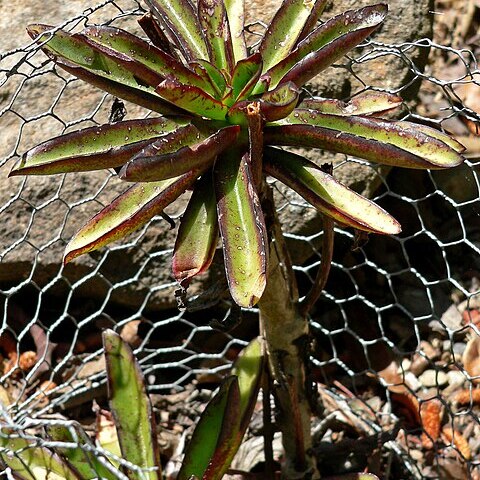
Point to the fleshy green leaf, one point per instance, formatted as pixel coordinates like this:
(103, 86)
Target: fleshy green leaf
(179, 18)
(217, 78)
(390, 143)
(366, 103)
(84, 460)
(248, 368)
(214, 22)
(284, 30)
(141, 52)
(280, 102)
(245, 76)
(76, 56)
(242, 228)
(94, 148)
(128, 212)
(192, 99)
(197, 234)
(325, 45)
(326, 194)
(312, 20)
(131, 408)
(236, 18)
(157, 163)
(31, 462)
(219, 419)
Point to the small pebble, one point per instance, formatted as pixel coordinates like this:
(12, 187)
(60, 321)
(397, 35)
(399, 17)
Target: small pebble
(455, 381)
(412, 381)
(452, 318)
(433, 378)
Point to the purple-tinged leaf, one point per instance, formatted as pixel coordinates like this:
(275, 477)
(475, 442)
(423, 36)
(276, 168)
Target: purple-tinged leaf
(128, 212)
(155, 34)
(280, 102)
(220, 419)
(84, 460)
(366, 103)
(131, 409)
(94, 148)
(284, 30)
(242, 228)
(326, 44)
(192, 99)
(236, 18)
(180, 20)
(312, 20)
(216, 76)
(77, 57)
(28, 461)
(382, 141)
(326, 194)
(248, 368)
(214, 22)
(132, 48)
(168, 158)
(197, 234)
(245, 76)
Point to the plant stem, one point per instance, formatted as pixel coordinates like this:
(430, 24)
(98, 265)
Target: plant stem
(322, 274)
(286, 334)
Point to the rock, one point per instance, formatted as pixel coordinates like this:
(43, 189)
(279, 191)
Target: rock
(452, 318)
(39, 215)
(433, 378)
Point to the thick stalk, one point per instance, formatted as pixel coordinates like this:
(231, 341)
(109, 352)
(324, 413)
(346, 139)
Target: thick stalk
(286, 334)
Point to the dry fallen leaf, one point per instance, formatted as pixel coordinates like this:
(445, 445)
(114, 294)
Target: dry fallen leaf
(458, 440)
(431, 415)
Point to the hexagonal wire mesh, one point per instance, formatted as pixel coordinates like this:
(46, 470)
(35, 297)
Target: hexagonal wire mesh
(395, 337)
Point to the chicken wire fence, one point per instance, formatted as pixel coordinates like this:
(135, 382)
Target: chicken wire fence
(395, 340)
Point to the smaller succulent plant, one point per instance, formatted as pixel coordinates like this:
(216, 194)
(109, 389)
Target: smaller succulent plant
(216, 439)
(225, 108)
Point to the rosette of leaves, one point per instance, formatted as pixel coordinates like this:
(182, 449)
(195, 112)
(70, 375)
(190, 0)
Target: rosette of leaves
(220, 110)
(73, 456)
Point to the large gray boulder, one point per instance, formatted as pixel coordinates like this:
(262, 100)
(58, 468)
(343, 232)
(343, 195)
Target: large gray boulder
(40, 214)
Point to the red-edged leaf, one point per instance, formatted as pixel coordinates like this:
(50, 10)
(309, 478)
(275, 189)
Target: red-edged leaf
(94, 148)
(192, 99)
(366, 103)
(280, 102)
(326, 44)
(197, 234)
(139, 56)
(180, 20)
(245, 76)
(155, 34)
(131, 409)
(390, 143)
(128, 212)
(284, 30)
(216, 77)
(214, 21)
(242, 228)
(219, 419)
(326, 194)
(77, 57)
(157, 163)
(312, 20)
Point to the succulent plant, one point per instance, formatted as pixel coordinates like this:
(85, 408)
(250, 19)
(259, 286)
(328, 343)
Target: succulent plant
(225, 108)
(215, 440)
